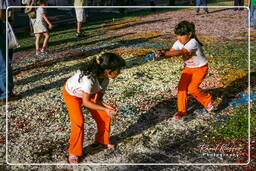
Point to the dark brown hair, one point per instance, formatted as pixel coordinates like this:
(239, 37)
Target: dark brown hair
(186, 27)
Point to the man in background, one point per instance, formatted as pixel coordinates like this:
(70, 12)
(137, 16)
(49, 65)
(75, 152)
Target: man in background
(6, 88)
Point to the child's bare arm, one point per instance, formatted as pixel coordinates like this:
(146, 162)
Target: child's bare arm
(31, 3)
(171, 52)
(99, 100)
(186, 54)
(87, 103)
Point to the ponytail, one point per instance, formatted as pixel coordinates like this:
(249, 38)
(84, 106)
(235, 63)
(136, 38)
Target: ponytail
(193, 31)
(96, 66)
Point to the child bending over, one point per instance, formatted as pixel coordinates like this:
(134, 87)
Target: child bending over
(86, 88)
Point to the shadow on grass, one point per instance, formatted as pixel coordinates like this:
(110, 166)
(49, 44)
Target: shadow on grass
(158, 113)
(178, 148)
(74, 39)
(59, 42)
(153, 117)
(59, 83)
(140, 23)
(71, 57)
(220, 10)
(230, 92)
(80, 55)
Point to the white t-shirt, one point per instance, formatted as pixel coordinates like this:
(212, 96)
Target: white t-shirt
(88, 85)
(39, 13)
(80, 2)
(198, 58)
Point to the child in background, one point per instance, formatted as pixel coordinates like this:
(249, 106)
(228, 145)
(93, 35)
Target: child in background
(31, 20)
(195, 70)
(40, 28)
(87, 87)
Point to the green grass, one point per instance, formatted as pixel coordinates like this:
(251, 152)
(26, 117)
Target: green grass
(237, 126)
(234, 53)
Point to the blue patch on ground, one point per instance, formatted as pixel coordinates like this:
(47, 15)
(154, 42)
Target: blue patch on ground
(244, 99)
(151, 56)
(128, 110)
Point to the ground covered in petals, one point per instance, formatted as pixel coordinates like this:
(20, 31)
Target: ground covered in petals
(144, 92)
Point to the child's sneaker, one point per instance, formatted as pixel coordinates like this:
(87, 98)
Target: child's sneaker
(210, 107)
(38, 53)
(80, 34)
(177, 116)
(44, 51)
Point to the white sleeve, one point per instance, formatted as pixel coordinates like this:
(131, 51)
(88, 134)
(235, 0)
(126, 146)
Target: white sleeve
(192, 45)
(86, 85)
(40, 10)
(176, 45)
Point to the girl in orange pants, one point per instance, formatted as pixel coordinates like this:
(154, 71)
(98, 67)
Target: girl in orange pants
(195, 70)
(190, 80)
(86, 88)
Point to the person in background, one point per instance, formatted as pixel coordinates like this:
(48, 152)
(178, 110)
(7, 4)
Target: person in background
(6, 85)
(80, 16)
(40, 28)
(252, 14)
(238, 3)
(31, 20)
(201, 2)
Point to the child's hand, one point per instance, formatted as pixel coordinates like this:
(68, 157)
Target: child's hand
(108, 106)
(111, 113)
(161, 53)
(186, 54)
(50, 26)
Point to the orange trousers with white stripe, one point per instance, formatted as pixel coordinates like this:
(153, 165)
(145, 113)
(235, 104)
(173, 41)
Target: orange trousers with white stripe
(190, 80)
(74, 106)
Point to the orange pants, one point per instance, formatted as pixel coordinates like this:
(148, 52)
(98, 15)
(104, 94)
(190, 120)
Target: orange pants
(74, 106)
(190, 80)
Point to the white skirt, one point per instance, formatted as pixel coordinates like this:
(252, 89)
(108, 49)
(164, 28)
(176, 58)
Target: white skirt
(39, 27)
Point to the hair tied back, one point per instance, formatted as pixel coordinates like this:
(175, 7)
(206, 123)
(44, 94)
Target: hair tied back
(98, 57)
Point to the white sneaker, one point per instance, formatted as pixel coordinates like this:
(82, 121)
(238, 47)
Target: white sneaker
(210, 108)
(45, 51)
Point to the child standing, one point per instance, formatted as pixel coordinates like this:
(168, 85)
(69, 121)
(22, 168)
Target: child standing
(40, 28)
(87, 87)
(195, 70)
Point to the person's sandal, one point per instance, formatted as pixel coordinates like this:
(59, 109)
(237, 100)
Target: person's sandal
(80, 34)
(98, 146)
(72, 159)
(110, 146)
(177, 116)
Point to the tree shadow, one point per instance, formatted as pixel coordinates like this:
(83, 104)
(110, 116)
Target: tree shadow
(158, 113)
(74, 39)
(230, 92)
(56, 84)
(183, 147)
(141, 23)
(220, 10)
(59, 42)
(80, 55)
(68, 57)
